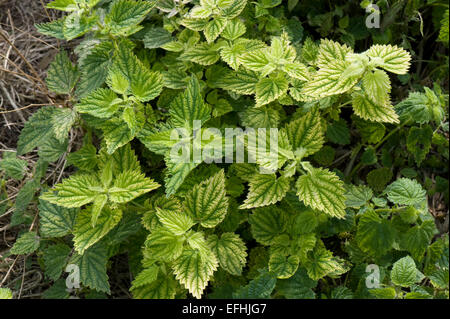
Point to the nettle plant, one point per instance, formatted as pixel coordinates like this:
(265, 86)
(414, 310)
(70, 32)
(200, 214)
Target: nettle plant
(301, 228)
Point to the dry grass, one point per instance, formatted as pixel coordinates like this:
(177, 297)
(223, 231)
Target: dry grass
(24, 57)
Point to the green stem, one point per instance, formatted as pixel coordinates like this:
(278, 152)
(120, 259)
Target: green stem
(390, 134)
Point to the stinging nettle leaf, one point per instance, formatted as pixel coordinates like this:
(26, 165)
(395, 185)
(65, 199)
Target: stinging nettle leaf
(405, 191)
(230, 250)
(194, 270)
(207, 203)
(87, 234)
(394, 59)
(62, 75)
(265, 189)
(322, 190)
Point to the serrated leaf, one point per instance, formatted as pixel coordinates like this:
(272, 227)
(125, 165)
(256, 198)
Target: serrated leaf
(130, 184)
(394, 59)
(329, 51)
(94, 68)
(13, 166)
(375, 235)
(55, 259)
(368, 110)
(329, 81)
(86, 235)
(26, 244)
(207, 203)
(194, 270)
(377, 86)
(306, 134)
(322, 190)
(265, 189)
(266, 224)
(77, 24)
(92, 265)
(102, 103)
(156, 37)
(203, 54)
(270, 89)
(165, 287)
(188, 106)
(63, 120)
(299, 286)
(52, 29)
(125, 15)
(175, 221)
(234, 9)
(175, 175)
(257, 60)
(234, 29)
(62, 75)
(164, 244)
(230, 250)
(296, 70)
(75, 191)
(214, 28)
(260, 117)
(322, 263)
(417, 239)
(404, 272)
(55, 221)
(259, 288)
(116, 133)
(241, 82)
(36, 131)
(282, 266)
(357, 196)
(405, 191)
(145, 277)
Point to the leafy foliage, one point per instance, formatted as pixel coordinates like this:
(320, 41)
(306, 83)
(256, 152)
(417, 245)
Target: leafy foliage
(156, 86)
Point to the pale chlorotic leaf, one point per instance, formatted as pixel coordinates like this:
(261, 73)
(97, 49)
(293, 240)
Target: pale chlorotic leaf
(265, 189)
(86, 235)
(145, 277)
(194, 270)
(269, 89)
(130, 184)
(75, 191)
(207, 203)
(230, 250)
(393, 58)
(306, 134)
(368, 110)
(322, 190)
(283, 266)
(176, 221)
